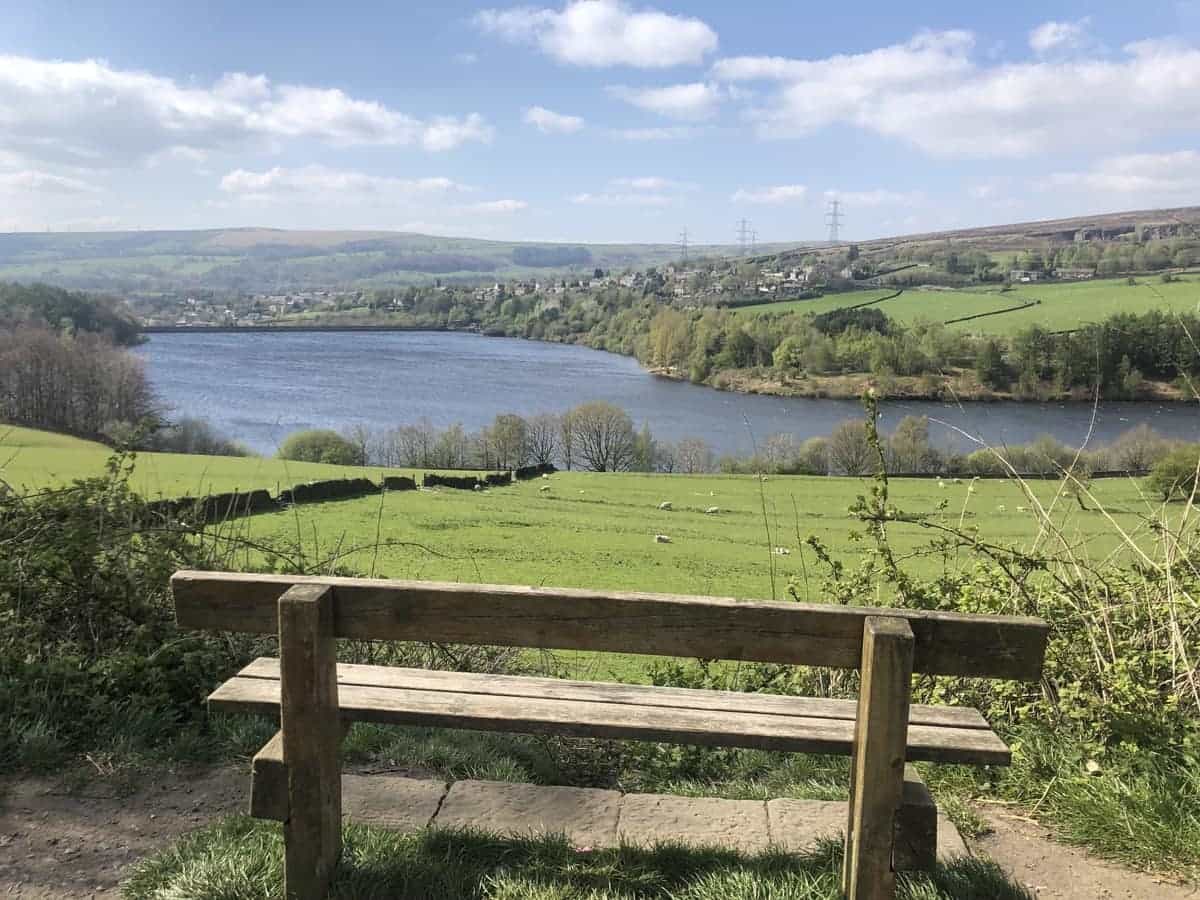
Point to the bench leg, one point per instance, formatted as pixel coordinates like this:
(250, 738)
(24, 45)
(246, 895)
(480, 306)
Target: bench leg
(312, 831)
(916, 827)
(877, 764)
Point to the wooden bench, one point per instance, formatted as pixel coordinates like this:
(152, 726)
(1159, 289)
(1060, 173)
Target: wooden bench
(892, 819)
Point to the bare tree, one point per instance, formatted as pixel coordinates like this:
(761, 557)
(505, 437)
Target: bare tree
(848, 450)
(693, 455)
(604, 435)
(566, 438)
(543, 435)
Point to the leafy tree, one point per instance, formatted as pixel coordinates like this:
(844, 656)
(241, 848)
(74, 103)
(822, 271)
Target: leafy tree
(1175, 475)
(321, 446)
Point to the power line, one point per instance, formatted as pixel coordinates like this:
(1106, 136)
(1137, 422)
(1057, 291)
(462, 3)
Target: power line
(833, 218)
(743, 235)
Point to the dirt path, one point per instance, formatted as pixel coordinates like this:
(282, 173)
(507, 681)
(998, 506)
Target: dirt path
(66, 845)
(55, 844)
(1053, 871)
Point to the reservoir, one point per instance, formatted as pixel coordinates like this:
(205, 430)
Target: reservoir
(259, 387)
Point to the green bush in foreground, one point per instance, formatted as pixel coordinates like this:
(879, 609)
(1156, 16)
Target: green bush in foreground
(89, 650)
(240, 859)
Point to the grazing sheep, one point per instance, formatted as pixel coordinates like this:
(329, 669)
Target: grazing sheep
(479, 487)
(782, 551)
(544, 475)
(1001, 508)
(666, 504)
(544, 488)
(1022, 509)
(941, 484)
(661, 539)
(712, 510)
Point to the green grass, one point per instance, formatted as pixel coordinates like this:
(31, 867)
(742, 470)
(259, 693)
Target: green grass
(33, 460)
(240, 859)
(1063, 306)
(598, 530)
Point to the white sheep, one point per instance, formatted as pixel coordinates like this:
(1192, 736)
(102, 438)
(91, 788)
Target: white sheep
(544, 488)
(666, 504)
(1022, 509)
(712, 510)
(941, 484)
(545, 476)
(661, 539)
(1001, 508)
(782, 551)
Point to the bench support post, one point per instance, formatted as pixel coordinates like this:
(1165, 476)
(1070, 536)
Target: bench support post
(877, 762)
(312, 831)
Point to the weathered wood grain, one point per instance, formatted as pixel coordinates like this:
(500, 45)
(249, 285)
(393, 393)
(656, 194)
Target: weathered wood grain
(269, 782)
(877, 763)
(664, 624)
(607, 692)
(311, 738)
(584, 718)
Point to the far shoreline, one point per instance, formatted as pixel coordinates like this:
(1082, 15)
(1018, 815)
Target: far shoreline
(739, 381)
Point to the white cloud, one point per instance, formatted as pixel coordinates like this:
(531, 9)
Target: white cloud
(983, 191)
(622, 199)
(318, 180)
(489, 207)
(549, 122)
(31, 180)
(465, 59)
(774, 195)
(930, 94)
(691, 102)
(1059, 35)
(601, 33)
(647, 183)
(1151, 175)
(877, 197)
(93, 114)
(669, 133)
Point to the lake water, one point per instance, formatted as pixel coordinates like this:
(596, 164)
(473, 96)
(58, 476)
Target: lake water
(260, 387)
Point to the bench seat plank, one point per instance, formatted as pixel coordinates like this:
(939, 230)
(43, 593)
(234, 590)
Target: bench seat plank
(606, 692)
(378, 699)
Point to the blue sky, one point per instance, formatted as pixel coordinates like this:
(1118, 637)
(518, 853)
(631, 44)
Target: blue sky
(593, 120)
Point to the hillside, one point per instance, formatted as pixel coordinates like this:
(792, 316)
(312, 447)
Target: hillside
(251, 260)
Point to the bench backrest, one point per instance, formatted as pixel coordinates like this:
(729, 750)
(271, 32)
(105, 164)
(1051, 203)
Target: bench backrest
(661, 624)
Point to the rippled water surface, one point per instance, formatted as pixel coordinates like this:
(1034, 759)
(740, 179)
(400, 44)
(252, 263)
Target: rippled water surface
(259, 387)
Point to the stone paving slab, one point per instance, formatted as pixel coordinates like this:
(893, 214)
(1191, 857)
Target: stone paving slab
(587, 816)
(598, 818)
(391, 801)
(797, 825)
(699, 821)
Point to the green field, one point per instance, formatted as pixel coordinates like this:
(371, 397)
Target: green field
(1063, 305)
(31, 460)
(598, 530)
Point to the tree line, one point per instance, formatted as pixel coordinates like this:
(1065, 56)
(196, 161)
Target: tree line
(600, 437)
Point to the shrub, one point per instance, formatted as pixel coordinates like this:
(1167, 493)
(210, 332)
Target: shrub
(1175, 475)
(89, 649)
(189, 435)
(321, 446)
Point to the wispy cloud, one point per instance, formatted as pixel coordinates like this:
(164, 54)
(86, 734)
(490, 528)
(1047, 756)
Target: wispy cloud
(774, 195)
(690, 102)
(548, 122)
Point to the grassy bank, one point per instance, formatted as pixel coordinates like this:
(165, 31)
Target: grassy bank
(1062, 305)
(33, 460)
